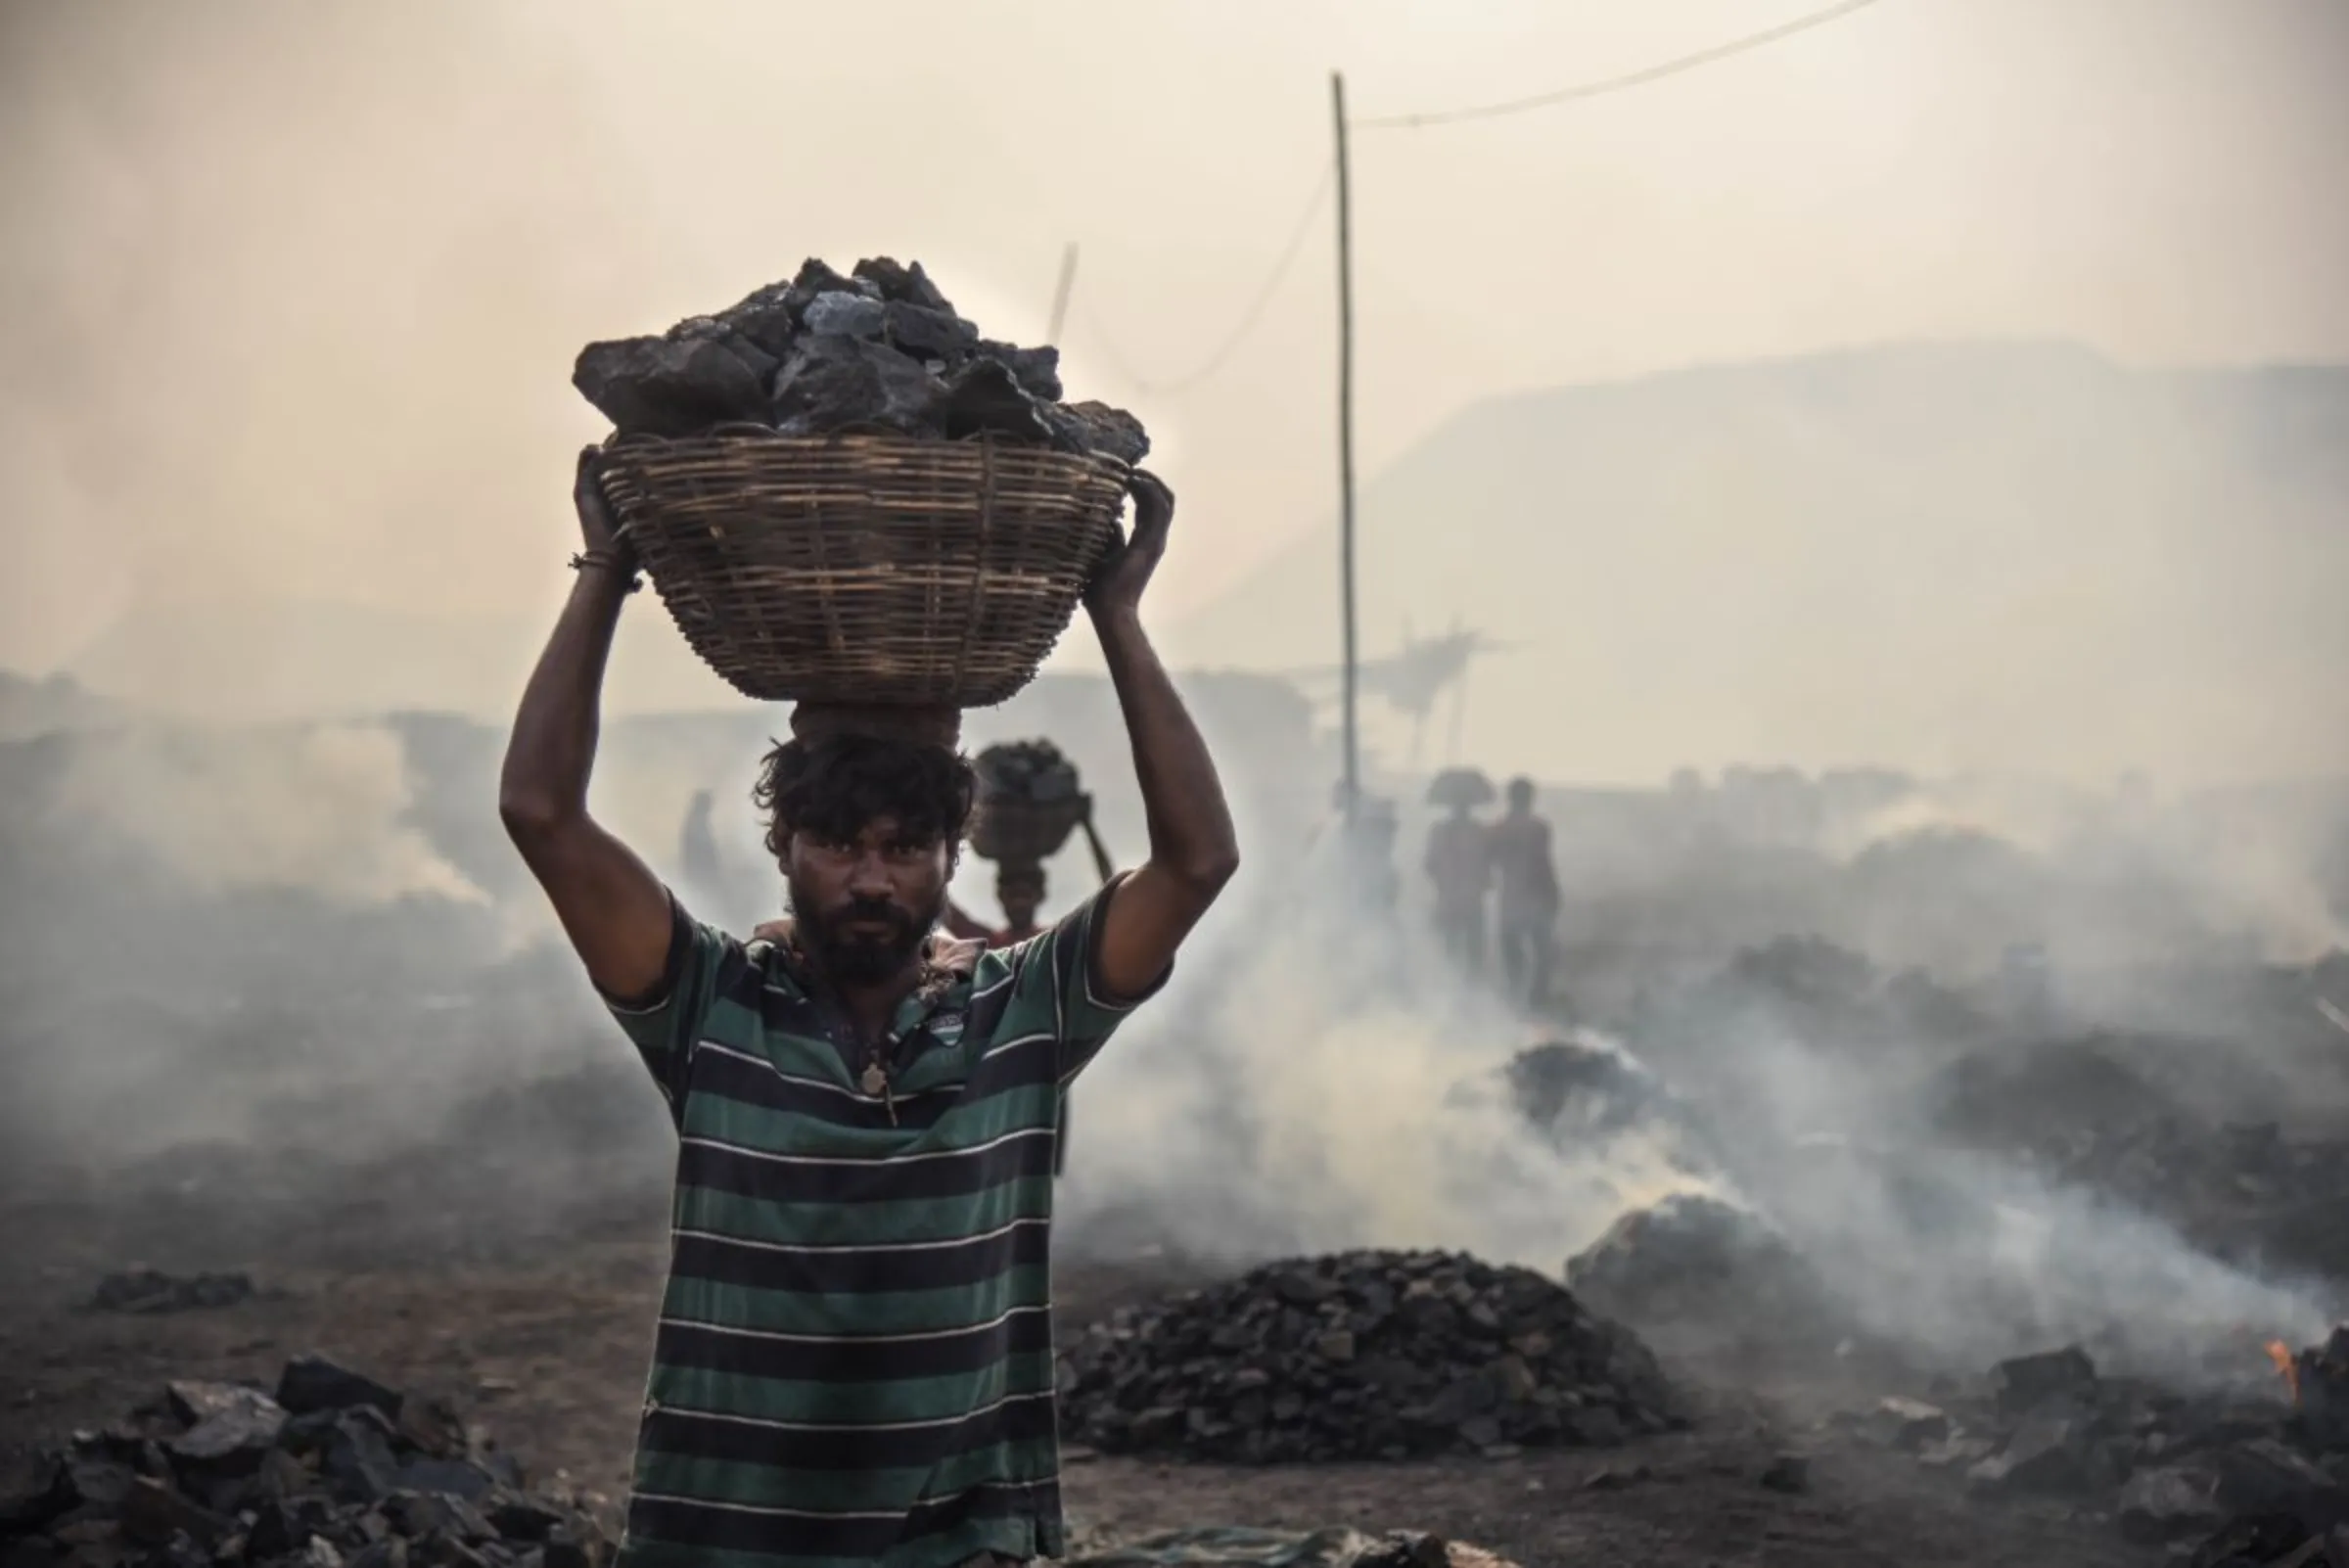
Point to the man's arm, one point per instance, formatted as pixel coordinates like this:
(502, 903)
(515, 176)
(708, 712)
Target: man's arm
(614, 911)
(1193, 851)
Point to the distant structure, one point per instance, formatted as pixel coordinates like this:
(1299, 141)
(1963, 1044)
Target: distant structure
(1414, 678)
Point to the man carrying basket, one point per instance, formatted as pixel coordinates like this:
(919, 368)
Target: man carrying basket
(855, 1353)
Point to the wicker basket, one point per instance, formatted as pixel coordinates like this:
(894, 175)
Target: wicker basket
(865, 567)
(1011, 831)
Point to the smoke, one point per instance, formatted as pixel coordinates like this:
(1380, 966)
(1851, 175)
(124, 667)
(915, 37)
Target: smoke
(1934, 1245)
(2134, 878)
(1317, 1078)
(319, 808)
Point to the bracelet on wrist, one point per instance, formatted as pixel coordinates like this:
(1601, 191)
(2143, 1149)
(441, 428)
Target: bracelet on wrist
(607, 561)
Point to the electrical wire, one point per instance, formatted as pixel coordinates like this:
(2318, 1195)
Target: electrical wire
(1248, 318)
(1609, 84)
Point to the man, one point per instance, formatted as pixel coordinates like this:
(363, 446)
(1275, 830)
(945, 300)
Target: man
(1020, 890)
(1529, 895)
(1461, 867)
(854, 1359)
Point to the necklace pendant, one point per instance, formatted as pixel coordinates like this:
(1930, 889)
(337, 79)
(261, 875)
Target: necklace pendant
(875, 1080)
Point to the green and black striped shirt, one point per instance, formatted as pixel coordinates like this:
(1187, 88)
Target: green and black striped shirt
(855, 1354)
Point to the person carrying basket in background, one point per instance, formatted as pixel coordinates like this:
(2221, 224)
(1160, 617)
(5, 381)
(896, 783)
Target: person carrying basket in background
(855, 1357)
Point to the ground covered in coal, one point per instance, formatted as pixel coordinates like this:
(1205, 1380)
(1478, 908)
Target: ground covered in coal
(324, 1468)
(543, 1343)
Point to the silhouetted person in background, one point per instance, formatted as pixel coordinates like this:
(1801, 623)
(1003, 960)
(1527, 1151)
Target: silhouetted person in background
(1460, 863)
(1519, 844)
(697, 849)
(1020, 890)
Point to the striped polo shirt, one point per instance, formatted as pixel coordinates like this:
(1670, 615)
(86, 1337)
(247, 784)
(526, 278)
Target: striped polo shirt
(854, 1355)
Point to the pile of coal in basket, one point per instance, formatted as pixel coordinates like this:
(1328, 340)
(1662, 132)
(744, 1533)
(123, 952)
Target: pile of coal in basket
(879, 349)
(1361, 1355)
(330, 1471)
(1029, 772)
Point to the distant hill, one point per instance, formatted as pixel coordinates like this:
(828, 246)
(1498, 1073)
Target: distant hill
(1936, 556)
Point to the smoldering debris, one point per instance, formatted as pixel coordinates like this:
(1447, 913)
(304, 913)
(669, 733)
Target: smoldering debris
(2248, 1472)
(1702, 1265)
(1574, 1089)
(331, 1471)
(2094, 1114)
(1361, 1355)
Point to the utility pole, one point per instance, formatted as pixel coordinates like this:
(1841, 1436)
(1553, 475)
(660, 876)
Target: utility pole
(1354, 776)
(1060, 294)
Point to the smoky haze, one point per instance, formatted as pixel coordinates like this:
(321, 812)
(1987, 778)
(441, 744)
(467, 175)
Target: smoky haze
(295, 290)
(1903, 397)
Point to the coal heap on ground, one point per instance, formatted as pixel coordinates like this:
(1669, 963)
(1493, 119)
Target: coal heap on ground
(2245, 1479)
(330, 1471)
(1361, 1355)
(1690, 1260)
(879, 349)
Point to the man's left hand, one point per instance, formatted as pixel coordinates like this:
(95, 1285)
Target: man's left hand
(1120, 583)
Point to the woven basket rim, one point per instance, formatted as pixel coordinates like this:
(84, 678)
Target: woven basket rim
(741, 434)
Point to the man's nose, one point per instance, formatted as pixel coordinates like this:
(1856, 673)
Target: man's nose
(870, 874)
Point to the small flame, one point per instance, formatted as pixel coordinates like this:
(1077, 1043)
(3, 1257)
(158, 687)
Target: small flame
(2282, 1355)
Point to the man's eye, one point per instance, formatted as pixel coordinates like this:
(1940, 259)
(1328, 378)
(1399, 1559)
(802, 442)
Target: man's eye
(909, 851)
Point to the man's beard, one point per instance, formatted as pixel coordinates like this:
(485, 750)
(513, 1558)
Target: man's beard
(855, 958)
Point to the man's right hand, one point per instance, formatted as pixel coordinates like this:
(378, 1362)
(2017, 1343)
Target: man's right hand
(599, 531)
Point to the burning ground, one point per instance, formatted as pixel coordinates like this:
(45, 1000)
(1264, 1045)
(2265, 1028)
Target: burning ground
(1785, 1248)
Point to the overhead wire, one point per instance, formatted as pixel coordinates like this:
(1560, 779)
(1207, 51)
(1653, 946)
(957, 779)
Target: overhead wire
(1238, 335)
(1248, 318)
(1610, 84)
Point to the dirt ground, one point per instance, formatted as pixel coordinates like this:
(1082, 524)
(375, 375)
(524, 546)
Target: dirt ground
(547, 1347)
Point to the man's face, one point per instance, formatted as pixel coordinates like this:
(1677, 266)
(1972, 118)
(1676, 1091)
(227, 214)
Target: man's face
(864, 907)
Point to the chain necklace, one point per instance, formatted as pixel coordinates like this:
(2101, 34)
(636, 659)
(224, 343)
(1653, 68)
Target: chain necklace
(875, 1080)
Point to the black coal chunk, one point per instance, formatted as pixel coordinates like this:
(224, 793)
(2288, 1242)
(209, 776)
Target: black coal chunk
(836, 383)
(2024, 1383)
(1098, 428)
(1361, 1355)
(1037, 370)
(984, 396)
(842, 314)
(232, 1437)
(927, 334)
(904, 285)
(312, 1383)
(340, 1485)
(699, 374)
(881, 348)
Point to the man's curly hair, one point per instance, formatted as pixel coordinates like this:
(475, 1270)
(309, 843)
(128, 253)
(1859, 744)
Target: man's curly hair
(836, 787)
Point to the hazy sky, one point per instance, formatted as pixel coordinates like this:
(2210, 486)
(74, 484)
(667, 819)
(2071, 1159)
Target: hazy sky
(293, 290)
